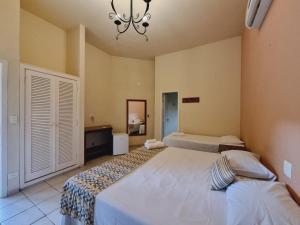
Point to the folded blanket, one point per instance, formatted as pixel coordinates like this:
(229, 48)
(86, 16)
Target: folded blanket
(155, 145)
(150, 141)
(177, 133)
(80, 191)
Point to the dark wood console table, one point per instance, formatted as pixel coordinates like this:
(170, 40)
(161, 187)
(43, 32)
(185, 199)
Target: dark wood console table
(98, 141)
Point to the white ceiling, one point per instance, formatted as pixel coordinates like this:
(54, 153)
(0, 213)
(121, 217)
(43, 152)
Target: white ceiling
(175, 24)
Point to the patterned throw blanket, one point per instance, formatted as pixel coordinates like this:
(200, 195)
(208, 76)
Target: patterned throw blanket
(80, 191)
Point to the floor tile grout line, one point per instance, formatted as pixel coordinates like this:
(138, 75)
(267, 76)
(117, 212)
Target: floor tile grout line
(44, 215)
(28, 197)
(49, 218)
(36, 205)
(44, 202)
(43, 218)
(17, 214)
(30, 200)
(48, 212)
(33, 205)
(33, 186)
(13, 202)
(54, 187)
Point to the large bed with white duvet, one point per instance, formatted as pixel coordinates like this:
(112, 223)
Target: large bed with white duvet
(170, 189)
(174, 188)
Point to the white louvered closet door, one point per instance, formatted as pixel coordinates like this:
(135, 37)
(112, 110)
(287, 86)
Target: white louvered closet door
(66, 125)
(39, 125)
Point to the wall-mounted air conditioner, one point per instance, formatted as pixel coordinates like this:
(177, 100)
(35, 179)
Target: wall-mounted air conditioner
(256, 12)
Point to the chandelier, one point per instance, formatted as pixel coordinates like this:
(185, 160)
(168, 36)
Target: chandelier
(139, 22)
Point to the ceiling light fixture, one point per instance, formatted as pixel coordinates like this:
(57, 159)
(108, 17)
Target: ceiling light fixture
(140, 23)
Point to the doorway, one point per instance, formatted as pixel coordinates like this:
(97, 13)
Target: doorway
(170, 113)
(3, 128)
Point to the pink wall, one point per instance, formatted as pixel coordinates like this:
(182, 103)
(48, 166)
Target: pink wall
(270, 120)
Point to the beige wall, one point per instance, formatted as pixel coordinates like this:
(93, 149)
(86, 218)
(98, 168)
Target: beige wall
(76, 66)
(211, 72)
(98, 86)
(42, 43)
(109, 82)
(270, 122)
(132, 79)
(9, 50)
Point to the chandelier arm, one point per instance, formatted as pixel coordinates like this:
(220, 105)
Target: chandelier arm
(146, 11)
(114, 9)
(127, 27)
(136, 29)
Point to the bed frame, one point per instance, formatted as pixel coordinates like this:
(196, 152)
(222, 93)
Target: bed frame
(223, 148)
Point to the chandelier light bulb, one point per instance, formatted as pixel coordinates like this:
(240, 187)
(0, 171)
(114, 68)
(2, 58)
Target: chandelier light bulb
(145, 19)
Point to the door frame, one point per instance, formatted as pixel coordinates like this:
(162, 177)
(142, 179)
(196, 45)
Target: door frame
(3, 136)
(23, 68)
(163, 111)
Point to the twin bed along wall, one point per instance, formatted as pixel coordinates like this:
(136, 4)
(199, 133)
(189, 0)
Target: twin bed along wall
(270, 107)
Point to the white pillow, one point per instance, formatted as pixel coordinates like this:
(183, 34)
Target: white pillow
(247, 164)
(231, 140)
(255, 202)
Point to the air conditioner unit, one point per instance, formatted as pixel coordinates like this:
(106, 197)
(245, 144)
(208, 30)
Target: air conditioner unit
(256, 12)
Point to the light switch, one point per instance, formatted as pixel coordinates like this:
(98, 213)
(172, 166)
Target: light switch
(287, 169)
(13, 119)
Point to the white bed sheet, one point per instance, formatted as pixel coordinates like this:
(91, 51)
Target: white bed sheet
(194, 142)
(173, 188)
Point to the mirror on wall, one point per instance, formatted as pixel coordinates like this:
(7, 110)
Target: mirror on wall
(136, 117)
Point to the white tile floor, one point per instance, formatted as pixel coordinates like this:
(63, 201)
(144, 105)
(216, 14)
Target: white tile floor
(39, 204)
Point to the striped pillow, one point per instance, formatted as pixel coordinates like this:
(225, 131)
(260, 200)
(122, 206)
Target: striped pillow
(221, 174)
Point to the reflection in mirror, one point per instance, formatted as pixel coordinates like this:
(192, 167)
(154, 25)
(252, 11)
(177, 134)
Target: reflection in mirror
(136, 117)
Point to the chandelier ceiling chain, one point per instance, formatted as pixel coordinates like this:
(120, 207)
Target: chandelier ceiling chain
(139, 23)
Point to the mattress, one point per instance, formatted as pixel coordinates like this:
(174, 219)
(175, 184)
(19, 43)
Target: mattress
(194, 142)
(172, 188)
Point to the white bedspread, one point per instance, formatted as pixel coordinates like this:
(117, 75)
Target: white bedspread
(194, 142)
(173, 188)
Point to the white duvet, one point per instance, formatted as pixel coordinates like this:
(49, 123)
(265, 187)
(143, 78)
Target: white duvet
(173, 188)
(254, 202)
